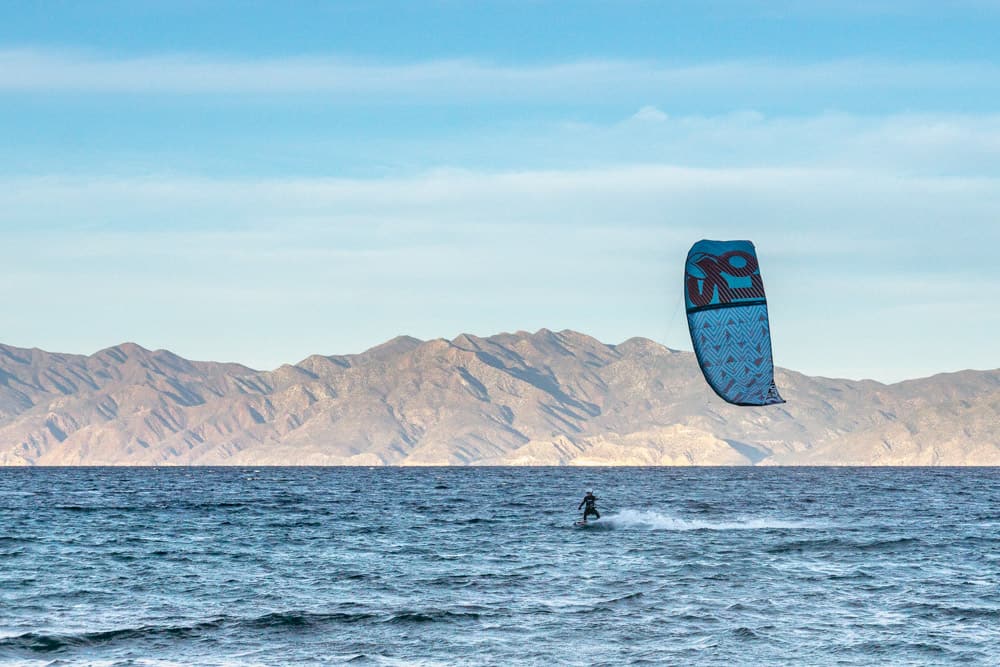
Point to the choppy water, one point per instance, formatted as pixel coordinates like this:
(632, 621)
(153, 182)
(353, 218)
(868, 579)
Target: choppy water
(482, 566)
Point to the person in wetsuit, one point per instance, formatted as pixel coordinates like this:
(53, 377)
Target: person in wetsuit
(590, 500)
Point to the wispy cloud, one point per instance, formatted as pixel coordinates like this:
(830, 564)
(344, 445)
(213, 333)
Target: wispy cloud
(905, 143)
(39, 70)
(650, 113)
(467, 196)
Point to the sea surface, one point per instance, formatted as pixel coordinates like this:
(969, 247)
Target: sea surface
(473, 566)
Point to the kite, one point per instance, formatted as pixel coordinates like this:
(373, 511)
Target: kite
(727, 318)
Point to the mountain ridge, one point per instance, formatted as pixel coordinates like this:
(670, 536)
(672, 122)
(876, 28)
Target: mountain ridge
(521, 398)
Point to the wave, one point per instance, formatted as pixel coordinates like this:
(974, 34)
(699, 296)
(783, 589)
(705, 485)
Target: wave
(627, 599)
(961, 613)
(310, 619)
(36, 642)
(846, 544)
(432, 616)
(305, 619)
(651, 520)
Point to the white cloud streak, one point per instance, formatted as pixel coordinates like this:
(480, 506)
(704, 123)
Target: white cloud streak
(905, 144)
(40, 70)
(630, 195)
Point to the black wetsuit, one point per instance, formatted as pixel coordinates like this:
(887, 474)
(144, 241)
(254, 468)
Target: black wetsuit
(590, 500)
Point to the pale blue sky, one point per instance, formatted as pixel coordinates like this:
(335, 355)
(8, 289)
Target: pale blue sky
(260, 181)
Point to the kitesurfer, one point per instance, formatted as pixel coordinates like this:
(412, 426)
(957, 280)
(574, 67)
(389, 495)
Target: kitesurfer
(590, 500)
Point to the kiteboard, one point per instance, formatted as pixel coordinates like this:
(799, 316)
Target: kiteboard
(584, 524)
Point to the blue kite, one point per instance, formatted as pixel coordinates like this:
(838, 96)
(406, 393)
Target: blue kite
(727, 318)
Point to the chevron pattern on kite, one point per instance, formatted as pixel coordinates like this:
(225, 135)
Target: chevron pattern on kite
(733, 346)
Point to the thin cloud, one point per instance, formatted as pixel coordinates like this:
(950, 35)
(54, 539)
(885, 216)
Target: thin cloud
(642, 194)
(650, 114)
(39, 70)
(905, 143)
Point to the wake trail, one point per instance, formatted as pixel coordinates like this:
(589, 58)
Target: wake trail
(650, 520)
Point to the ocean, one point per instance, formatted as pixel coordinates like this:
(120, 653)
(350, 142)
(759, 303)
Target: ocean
(483, 566)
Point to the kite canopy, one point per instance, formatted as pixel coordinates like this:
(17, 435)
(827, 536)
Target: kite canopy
(727, 318)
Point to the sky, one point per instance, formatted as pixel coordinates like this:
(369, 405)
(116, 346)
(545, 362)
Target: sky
(260, 181)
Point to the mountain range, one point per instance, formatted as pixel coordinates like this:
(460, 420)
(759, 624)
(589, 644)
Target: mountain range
(543, 398)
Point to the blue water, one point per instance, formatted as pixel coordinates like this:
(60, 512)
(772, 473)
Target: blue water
(454, 566)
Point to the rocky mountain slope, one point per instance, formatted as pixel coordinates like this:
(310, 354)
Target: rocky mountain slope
(512, 399)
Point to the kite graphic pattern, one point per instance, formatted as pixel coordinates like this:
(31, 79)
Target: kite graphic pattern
(727, 318)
